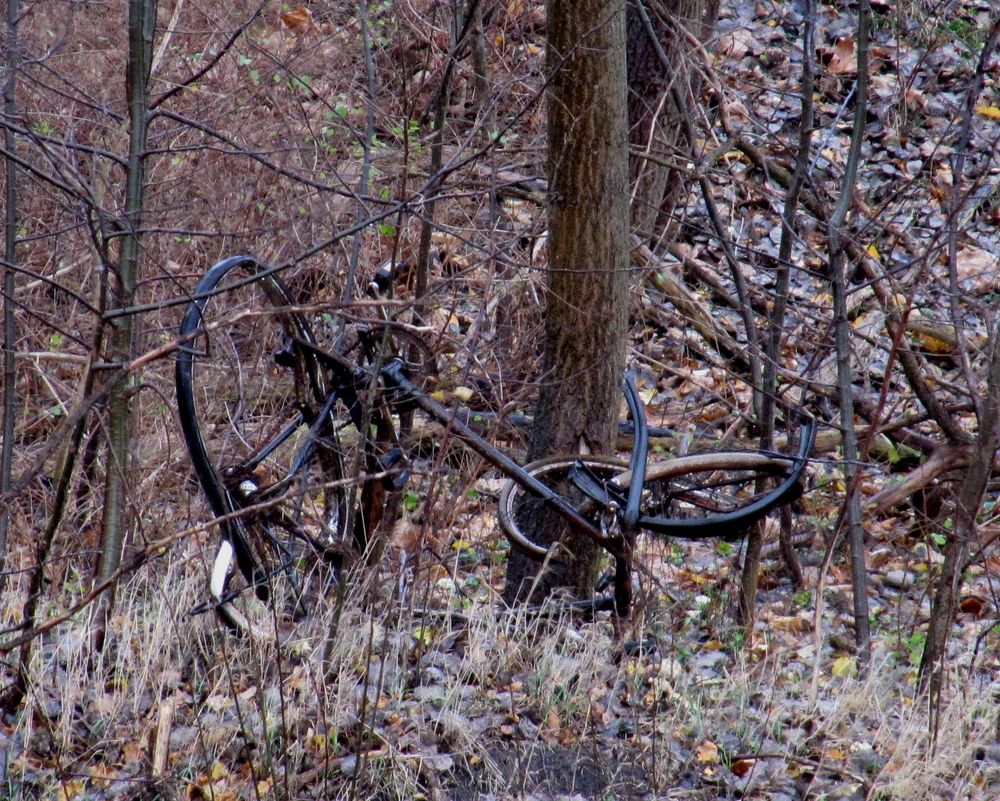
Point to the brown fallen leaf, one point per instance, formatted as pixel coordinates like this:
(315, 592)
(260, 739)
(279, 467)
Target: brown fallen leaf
(979, 268)
(552, 723)
(736, 44)
(707, 753)
(974, 605)
(844, 57)
(299, 20)
(791, 623)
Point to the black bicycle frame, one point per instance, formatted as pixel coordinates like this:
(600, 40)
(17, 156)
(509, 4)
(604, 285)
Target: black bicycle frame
(335, 378)
(722, 525)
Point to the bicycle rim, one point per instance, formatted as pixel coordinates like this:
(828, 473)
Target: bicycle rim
(514, 502)
(683, 492)
(259, 426)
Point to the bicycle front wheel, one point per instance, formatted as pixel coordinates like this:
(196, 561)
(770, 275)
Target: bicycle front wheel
(258, 420)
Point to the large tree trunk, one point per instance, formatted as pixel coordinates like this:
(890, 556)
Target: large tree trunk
(587, 304)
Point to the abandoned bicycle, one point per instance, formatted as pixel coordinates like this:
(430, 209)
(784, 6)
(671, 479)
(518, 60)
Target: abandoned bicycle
(267, 388)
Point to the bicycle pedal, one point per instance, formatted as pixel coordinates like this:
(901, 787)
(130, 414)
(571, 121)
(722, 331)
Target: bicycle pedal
(391, 459)
(285, 357)
(645, 646)
(202, 608)
(397, 480)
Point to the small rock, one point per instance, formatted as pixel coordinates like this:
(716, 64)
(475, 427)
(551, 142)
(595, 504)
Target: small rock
(900, 579)
(711, 660)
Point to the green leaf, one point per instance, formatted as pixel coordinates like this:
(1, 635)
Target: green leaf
(802, 598)
(893, 453)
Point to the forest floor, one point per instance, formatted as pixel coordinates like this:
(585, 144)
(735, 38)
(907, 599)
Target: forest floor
(416, 682)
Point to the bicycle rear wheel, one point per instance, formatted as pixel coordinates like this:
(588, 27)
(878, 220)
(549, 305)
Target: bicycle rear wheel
(691, 497)
(258, 419)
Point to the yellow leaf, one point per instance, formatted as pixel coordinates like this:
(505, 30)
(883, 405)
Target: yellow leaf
(934, 345)
(424, 635)
(844, 667)
(990, 112)
(707, 753)
(70, 789)
(461, 545)
(462, 393)
(552, 721)
(219, 771)
(438, 395)
(872, 251)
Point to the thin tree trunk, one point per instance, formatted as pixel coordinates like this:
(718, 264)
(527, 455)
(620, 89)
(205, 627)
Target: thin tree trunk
(10, 257)
(654, 122)
(843, 330)
(776, 328)
(973, 487)
(967, 506)
(587, 303)
(141, 21)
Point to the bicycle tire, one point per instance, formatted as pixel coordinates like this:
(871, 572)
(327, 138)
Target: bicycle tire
(257, 418)
(664, 501)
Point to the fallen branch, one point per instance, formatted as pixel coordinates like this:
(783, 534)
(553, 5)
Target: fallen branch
(942, 460)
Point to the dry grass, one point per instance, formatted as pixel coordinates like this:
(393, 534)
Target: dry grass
(402, 700)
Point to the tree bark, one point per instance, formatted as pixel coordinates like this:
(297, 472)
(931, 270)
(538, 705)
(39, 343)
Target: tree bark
(587, 303)
(967, 508)
(141, 21)
(653, 121)
(10, 257)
